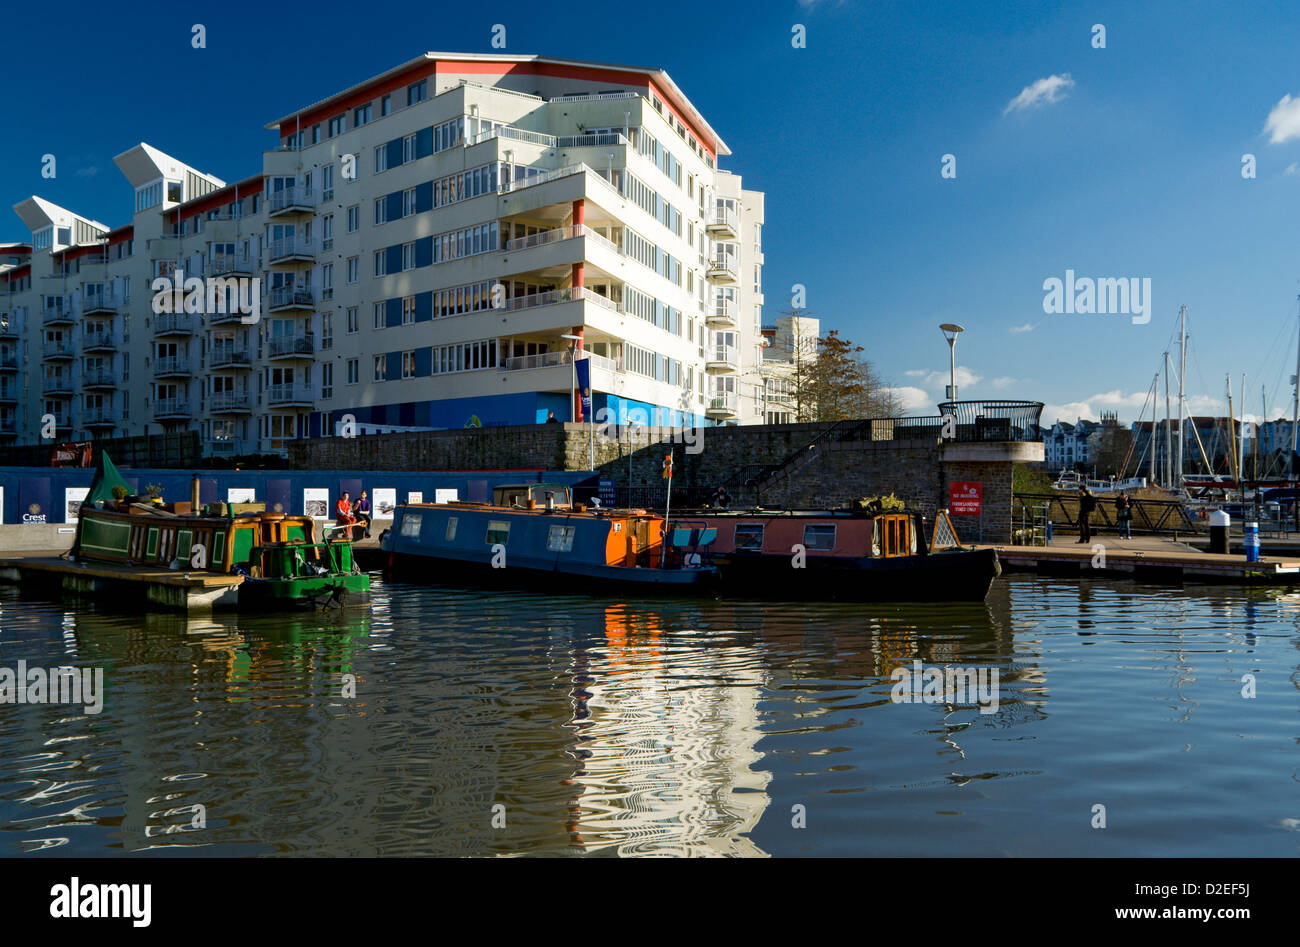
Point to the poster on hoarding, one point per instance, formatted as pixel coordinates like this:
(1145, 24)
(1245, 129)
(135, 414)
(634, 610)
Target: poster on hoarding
(385, 501)
(415, 496)
(441, 495)
(241, 495)
(316, 502)
(965, 497)
(72, 500)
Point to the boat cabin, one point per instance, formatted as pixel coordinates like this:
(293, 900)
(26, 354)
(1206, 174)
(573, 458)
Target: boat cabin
(883, 536)
(533, 496)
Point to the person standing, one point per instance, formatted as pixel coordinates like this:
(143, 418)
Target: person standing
(1124, 514)
(551, 418)
(1087, 503)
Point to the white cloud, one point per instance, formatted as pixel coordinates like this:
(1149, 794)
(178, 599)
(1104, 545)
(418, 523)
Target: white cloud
(1292, 168)
(1027, 327)
(914, 399)
(1004, 382)
(1069, 412)
(965, 377)
(1283, 123)
(1040, 92)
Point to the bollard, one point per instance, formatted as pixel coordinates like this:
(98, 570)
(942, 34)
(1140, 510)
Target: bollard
(1219, 523)
(1251, 542)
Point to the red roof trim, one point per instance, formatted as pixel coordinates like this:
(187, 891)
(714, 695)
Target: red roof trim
(218, 198)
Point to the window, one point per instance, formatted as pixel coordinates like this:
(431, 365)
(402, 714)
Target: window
(560, 539)
(452, 523)
(354, 269)
(415, 92)
(353, 318)
(408, 149)
(749, 537)
(411, 525)
(408, 256)
(381, 158)
(819, 536)
(354, 371)
(408, 364)
(381, 211)
(379, 368)
(381, 268)
(338, 125)
(408, 202)
(173, 192)
(408, 310)
(327, 379)
(360, 116)
(498, 531)
(379, 316)
(326, 330)
(354, 218)
(385, 105)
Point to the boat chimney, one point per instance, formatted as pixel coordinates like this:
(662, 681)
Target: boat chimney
(194, 494)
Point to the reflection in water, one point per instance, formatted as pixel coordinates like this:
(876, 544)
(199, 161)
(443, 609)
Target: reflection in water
(452, 722)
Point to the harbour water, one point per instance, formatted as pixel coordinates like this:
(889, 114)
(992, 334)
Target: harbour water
(458, 722)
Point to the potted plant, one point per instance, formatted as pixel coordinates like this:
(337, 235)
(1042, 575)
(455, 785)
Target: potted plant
(119, 494)
(155, 494)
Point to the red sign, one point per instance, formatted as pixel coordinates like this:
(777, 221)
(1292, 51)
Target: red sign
(964, 498)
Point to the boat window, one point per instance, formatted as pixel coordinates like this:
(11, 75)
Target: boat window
(749, 536)
(560, 539)
(452, 521)
(875, 537)
(891, 537)
(819, 536)
(411, 525)
(498, 531)
(911, 536)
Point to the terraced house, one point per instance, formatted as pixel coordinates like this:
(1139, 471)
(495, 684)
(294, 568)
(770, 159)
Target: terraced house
(433, 246)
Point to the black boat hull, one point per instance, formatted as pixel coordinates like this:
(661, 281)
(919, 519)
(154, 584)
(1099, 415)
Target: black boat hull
(964, 575)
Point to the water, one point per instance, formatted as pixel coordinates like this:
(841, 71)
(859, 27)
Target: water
(605, 727)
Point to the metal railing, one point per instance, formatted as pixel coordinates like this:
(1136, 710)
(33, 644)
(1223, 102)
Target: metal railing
(605, 140)
(724, 354)
(290, 197)
(223, 356)
(289, 394)
(556, 296)
(229, 265)
(57, 314)
(92, 341)
(101, 302)
(289, 246)
(551, 359)
(281, 345)
(512, 133)
(994, 420)
(228, 401)
(556, 235)
(724, 218)
(98, 379)
(173, 324)
(171, 408)
(290, 296)
(724, 264)
(63, 349)
(61, 385)
(724, 310)
(172, 365)
(99, 417)
(595, 96)
(727, 402)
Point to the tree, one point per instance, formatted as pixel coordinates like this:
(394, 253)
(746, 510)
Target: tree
(842, 384)
(1108, 447)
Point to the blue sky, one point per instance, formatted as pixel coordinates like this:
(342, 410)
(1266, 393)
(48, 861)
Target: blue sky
(1124, 161)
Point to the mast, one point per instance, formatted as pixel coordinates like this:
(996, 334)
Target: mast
(1169, 436)
(1182, 371)
(1155, 407)
(1295, 419)
(1241, 453)
(1232, 423)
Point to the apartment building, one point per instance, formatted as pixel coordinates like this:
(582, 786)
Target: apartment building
(433, 246)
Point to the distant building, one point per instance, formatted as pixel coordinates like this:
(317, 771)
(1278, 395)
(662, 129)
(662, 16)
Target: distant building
(1065, 444)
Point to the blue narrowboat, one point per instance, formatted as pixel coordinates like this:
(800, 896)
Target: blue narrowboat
(532, 533)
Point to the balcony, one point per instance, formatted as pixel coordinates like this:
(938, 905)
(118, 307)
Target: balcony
(98, 342)
(101, 304)
(98, 379)
(224, 447)
(172, 367)
(9, 395)
(724, 224)
(61, 349)
(57, 386)
(290, 250)
(173, 409)
(722, 360)
(289, 297)
(8, 362)
(723, 405)
(228, 402)
(224, 357)
(291, 346)
(57, 316)
(723, 314)
(291, 200)
(724, 268)
(8, 427)
(227, 265)
(174, 323)
(100, 417)
(289, 396)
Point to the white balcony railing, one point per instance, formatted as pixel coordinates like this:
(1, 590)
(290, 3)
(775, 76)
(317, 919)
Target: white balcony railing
(724, 356)
(724, 402)
(172, 408)
(289, 394)
(552, 359)
(724, 311)
(228, 401)
(555, 236)
(281, 345)
(512, 133)
(174, 323)
(724, 265)
(172, 365)
(290, 197)
(282, 296)
(289, 246)
(98, 379)
(556, 296)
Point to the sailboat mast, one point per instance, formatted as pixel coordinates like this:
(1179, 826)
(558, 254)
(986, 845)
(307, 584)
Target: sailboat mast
(1182, 371)
(1232, 424)
(1155, 409)
(1295, 418)
(1241, 452)
(1169, 435)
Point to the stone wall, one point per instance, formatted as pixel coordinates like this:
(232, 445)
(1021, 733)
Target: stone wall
(830, 475)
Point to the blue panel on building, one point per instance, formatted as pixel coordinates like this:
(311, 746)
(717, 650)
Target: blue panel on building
(392, 312)
(423, 362)
(424, 308)
(393, 366)
(424, 251)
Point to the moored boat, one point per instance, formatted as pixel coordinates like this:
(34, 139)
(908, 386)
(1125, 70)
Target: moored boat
(534, 535)
(846, 555)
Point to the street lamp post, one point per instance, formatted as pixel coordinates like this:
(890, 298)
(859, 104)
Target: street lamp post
(950, 331)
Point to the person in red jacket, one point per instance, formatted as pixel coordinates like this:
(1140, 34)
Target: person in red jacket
(343, 511)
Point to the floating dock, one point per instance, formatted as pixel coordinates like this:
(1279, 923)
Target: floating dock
(1148, 559)
(180, 590)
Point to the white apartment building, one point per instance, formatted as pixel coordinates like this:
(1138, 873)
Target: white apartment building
(431, 244)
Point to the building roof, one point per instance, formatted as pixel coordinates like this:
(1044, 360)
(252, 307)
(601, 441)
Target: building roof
(660, 78)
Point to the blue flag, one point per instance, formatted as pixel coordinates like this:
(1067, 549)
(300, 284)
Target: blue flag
(583, 369)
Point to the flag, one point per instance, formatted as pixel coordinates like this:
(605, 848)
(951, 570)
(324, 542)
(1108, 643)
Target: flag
(583, 369)
(668, 467)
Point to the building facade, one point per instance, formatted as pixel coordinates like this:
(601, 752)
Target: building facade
(427, 249)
